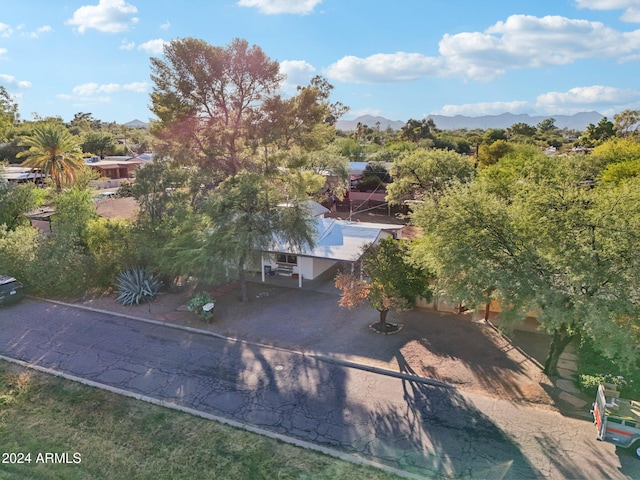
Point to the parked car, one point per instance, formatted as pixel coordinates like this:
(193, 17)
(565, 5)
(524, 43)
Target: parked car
(11, 290)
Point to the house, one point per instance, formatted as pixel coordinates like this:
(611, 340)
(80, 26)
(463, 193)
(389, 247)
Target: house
(13, 174)
(115, 167)
(337, 241)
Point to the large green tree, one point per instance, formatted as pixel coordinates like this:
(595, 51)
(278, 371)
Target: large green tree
(391, 281)
(16, 201)
(9, 115)
(567, 252)
(208, 100)
(426, 173)
(245, 219)
(55, 152)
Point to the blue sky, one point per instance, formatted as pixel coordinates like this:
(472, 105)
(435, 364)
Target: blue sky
(404, 59)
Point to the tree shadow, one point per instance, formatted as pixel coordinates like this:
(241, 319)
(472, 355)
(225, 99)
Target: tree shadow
(424, 429)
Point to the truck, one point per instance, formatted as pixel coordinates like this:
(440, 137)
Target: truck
(617, 419)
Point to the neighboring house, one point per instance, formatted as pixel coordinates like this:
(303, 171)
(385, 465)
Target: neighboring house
(337, 241)
(41, 218)
(115, 167)
(21, 175)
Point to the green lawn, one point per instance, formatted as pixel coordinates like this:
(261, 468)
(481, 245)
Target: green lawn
(118, 437)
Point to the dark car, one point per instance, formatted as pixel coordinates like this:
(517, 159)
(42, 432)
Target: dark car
(11, 290)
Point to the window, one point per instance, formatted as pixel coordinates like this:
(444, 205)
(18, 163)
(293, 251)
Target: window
(287, 259)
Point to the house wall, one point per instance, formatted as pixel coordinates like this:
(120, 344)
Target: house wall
(309, 268)
(320, 265)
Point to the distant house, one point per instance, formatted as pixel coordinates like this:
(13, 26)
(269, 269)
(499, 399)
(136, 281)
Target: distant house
(21, 175)
(115, 167)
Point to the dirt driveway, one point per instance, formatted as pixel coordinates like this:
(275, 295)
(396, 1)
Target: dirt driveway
(443, 346)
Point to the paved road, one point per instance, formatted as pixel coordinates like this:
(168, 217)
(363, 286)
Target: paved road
(425, 429)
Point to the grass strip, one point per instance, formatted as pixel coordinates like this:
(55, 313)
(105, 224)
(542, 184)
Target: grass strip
(117, 437)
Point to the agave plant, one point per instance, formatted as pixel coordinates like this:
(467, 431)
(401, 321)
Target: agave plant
(136, 285)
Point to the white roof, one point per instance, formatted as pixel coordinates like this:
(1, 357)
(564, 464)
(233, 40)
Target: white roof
(20, 173)
(341, 240)
(314, 208)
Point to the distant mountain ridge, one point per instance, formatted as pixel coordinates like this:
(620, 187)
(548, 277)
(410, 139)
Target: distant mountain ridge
(579, 121)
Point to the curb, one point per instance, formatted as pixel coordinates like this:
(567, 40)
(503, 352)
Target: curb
(207, 416)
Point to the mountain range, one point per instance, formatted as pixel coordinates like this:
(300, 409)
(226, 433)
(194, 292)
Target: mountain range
(579, 121)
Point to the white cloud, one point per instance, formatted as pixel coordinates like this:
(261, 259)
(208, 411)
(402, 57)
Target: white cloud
(153, 47)
(631, 7)
(522, 41)
(165, 26)
(125, 45)
(484, 108)
(11, 80)
(139, 87)
(298, 72)
(607, 4)
(274, 7)
(3, 52)
(110, 16)
(5, 30)
(40, 31)
(92, 88)
(631, 15)
(384, 67)
(579, 99)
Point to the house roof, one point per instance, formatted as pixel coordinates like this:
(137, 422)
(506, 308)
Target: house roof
(340, 240)
(20, 174)
(314, 208)
(114, 162)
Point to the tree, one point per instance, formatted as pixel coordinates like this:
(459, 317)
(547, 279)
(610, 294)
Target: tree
(416, 130)
(16, 201)
(9, 115)
(98, 143)
(616, 150)
(597, 134)
(488, 154)
(550, 246)
(208, 101)
(626, 123)
(74, 209)
(546, 126)
(523, 129)
(245, 219)
(426, 173)
(391, 280)
(53, 150)
(160, 191)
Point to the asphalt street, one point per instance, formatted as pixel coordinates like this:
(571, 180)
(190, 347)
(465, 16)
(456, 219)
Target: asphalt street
(418, 427)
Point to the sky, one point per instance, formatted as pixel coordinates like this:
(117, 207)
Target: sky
(400, 60)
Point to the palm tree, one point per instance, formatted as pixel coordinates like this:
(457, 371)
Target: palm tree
(54, 151)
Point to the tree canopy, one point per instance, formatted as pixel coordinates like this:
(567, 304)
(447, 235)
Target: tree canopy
(391, 281)
(53, 150)
(546, 244)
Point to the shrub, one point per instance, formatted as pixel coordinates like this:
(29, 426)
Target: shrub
(137, 285)
(125, 190)
(197, 302)
(589, 383)
(594, 368)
